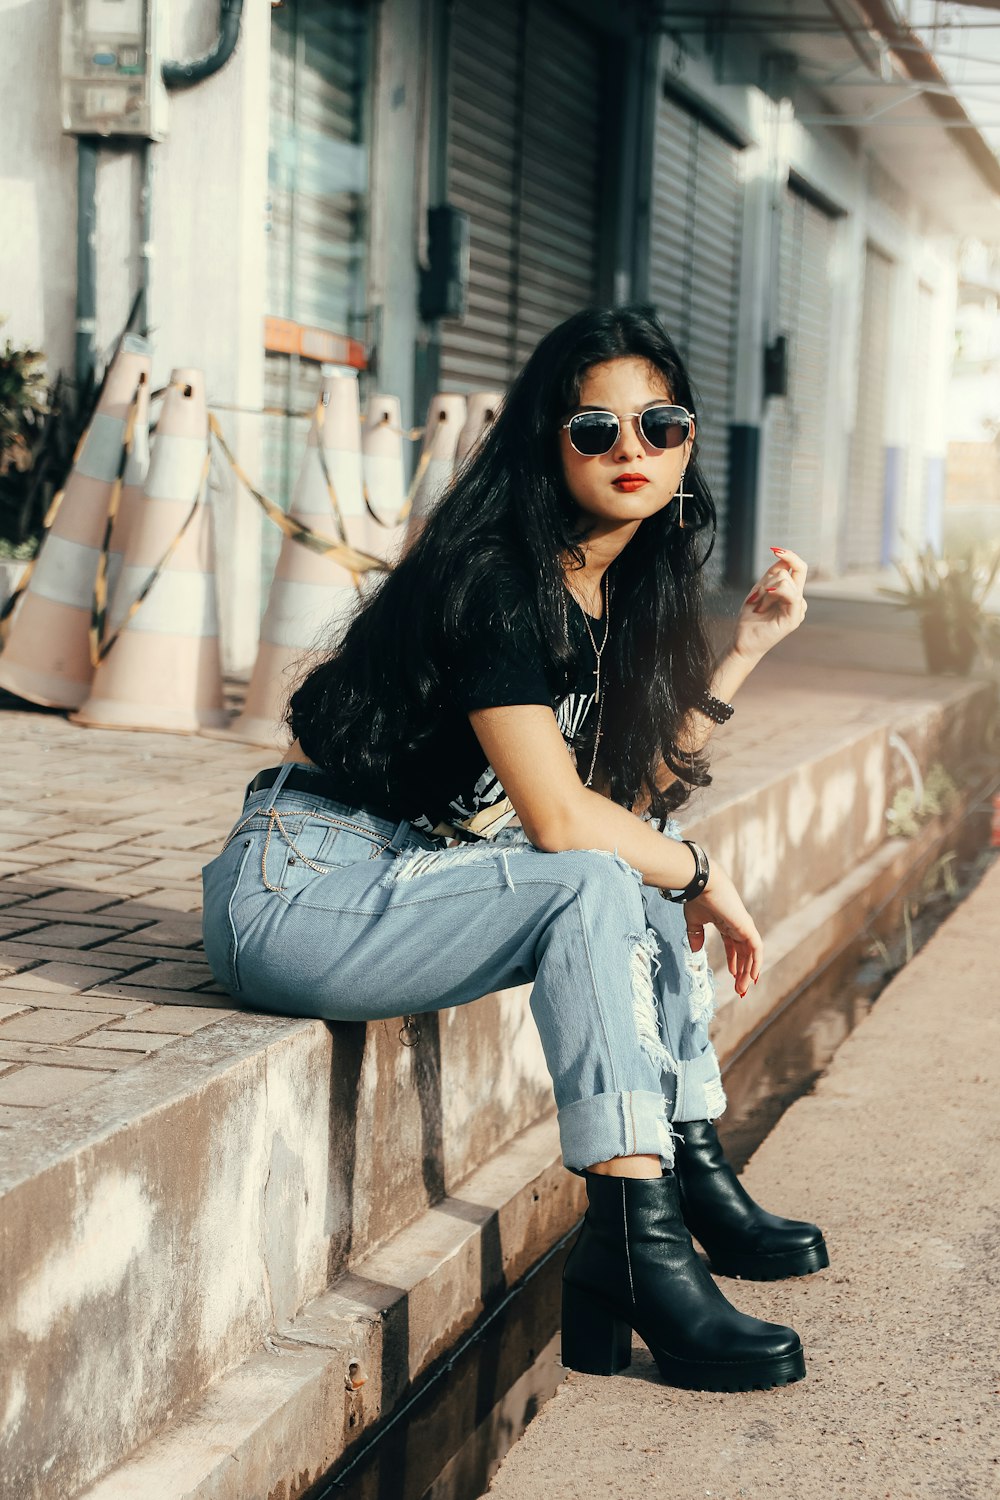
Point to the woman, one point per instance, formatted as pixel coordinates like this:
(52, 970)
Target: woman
(428, 839)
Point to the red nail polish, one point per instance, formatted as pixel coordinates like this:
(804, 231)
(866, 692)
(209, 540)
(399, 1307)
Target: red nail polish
(779, 550)
(753, 596)
(771, 591)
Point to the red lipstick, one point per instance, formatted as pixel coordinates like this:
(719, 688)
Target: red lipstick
(630, 482)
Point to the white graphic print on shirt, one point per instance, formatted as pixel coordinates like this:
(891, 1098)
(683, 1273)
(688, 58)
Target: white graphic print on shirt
(571, 714)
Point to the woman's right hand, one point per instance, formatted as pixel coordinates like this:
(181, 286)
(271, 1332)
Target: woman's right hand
(720, 904)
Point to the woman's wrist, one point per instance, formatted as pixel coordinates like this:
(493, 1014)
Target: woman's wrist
(700, 879)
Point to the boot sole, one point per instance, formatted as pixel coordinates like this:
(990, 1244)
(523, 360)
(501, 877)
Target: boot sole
(597, 1341)
(771, 1267)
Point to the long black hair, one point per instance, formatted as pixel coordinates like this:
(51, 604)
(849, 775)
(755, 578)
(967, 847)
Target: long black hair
(373, 703)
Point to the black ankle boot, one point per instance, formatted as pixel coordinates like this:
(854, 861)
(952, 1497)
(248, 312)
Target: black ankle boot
(633, 1266)
(739, 1238)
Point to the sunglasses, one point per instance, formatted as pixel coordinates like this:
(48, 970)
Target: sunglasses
(595, 432)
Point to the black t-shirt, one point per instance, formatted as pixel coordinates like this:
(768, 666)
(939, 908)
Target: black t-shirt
(502, 663)
(499, 662)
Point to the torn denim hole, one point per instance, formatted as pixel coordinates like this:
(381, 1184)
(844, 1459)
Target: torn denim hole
(701, 985)
(645, 952)
(715, 1098)
(414, 863)
(667, 1136)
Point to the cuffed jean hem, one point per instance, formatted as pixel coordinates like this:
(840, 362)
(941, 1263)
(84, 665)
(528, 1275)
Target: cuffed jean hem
(699, 1093)
(604, 1126)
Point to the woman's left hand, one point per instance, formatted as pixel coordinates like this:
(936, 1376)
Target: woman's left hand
(774, 607)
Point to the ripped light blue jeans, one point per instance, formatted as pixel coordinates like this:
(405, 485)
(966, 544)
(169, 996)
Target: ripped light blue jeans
(314, 908)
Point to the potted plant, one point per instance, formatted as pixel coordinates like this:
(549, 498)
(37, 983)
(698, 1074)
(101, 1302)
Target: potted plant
(949, 596)
(24, 406)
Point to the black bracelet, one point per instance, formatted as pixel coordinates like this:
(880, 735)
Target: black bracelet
(700, 879)
(715, 708)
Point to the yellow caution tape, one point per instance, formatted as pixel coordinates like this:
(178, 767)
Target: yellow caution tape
(351, 558)
(99, 604)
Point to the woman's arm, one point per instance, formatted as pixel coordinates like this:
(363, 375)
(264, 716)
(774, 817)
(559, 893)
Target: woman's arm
(774, 607)
(526, 749)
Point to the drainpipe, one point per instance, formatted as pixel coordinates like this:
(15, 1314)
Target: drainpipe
(86, 262)
(181, 75)
(176, 75)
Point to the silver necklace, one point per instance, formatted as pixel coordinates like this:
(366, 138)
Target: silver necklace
(597, 670)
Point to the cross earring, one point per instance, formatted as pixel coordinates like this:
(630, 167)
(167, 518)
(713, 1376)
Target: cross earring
(681, 497)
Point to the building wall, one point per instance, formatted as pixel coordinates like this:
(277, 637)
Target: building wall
(207, 299)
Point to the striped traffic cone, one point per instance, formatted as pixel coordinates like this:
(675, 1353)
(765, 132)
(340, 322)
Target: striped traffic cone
(385, 476)
(311, 596)
(159, 643)
(47, 656)
(481, 408)
(445, 419)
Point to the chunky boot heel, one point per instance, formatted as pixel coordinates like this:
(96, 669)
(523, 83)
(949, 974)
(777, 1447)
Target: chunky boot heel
(634, 1267)
(594, 1340)
(739, 1237)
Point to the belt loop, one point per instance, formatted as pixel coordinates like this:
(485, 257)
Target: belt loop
(279, 781)
(399, 837)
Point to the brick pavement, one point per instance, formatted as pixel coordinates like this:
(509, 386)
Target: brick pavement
(102, 838)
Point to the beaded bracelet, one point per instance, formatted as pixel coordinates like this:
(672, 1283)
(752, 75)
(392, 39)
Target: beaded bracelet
(715, 708)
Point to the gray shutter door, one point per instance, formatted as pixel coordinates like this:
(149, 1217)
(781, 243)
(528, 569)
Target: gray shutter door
(317, 189)
(559, 224)
(795, 436)
(524, 160)
(483, 173)
(694, 269)
(865, 510)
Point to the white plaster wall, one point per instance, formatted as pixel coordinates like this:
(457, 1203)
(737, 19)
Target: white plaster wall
(37, 185)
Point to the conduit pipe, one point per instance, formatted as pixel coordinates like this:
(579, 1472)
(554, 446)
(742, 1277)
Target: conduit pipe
(181, 75)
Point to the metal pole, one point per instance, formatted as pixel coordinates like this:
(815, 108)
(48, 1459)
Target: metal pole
(86, 262)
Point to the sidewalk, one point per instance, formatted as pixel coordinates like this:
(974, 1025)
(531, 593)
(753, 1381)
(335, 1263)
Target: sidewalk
(895, 1154)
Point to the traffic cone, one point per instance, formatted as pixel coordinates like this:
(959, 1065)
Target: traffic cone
(481, 408)
(47, 655)
(311, 595)
(162, 669)
(445, 419)
(384, 475)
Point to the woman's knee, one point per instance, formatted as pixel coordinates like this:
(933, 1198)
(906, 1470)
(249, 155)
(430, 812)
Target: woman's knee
(597, 872)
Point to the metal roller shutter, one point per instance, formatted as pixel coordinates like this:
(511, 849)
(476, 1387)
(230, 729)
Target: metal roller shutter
(483, 170)
(694, 269)
(559, 228)
(317, 187)
(796, 424)
(524, 160)
(865, 509)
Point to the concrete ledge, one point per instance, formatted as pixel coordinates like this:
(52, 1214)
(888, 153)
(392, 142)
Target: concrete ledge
(276, 1423)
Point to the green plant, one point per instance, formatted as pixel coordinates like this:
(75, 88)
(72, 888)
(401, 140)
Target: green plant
(908, 811)
(949, 596)
(23, 404)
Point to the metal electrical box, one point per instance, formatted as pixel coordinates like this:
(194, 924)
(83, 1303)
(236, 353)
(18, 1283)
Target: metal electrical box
(111, 62)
